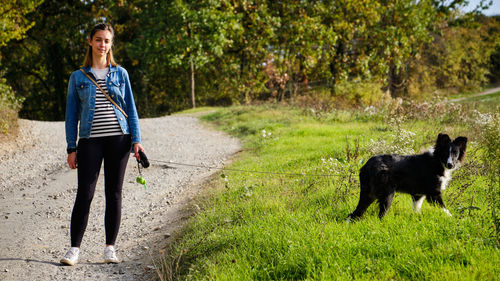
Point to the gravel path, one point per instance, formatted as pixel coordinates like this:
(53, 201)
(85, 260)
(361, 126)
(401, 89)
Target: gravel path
(37, 191)
(484, 93)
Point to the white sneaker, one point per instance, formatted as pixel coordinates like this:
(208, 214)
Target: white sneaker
(110, 255)
(71, 257)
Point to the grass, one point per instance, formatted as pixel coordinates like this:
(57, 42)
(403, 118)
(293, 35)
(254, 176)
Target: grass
(197, 110)
(254, 226)
(490, 102)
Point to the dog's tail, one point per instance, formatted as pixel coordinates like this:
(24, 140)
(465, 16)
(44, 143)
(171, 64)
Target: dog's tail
(365, 197)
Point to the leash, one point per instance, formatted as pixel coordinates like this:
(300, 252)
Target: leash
(240, 170)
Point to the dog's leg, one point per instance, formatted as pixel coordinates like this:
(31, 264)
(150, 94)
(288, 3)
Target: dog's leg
(438, 200)
(365, 200)
(385, 204)
(416, 202)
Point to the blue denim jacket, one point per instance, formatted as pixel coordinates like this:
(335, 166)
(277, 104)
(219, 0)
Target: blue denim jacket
(80, 104)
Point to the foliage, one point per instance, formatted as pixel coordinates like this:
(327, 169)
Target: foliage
(489, 34)
(360, 93)
(457, 60)
(242, 70)
(14, 25)
(245, 51)
(13, 21)
(38, 67)
(463, 61)
(199, 33)
(404, 29)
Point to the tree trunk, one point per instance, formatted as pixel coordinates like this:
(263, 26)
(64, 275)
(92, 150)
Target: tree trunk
(396, 83)
(56, 110)
(290, 82)
(191, 67)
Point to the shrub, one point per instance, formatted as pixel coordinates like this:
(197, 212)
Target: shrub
(437, 110)
(319, 100)
(360, 93)
(402, 142)
(347, 95)
(9, 106)
(487, 128)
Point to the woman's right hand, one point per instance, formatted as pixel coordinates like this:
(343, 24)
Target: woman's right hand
(72, 160)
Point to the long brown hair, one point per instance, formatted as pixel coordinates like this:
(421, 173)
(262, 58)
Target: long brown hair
(87, 62)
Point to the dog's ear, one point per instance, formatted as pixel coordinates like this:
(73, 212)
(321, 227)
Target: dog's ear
(442, 140)
(461, 142)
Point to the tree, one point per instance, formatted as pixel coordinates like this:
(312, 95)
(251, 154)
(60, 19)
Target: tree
(353, 53)
(181, 53)
(241, 66)
(404, 28)
(38, 67)
(460, 58)
(14, 26)
(13, 21)
(197, 33)
(300, 37)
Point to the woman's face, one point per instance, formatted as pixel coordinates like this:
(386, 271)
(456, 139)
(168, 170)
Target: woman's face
(101, 43)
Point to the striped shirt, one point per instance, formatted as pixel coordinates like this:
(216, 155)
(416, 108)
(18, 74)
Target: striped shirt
(105, 122)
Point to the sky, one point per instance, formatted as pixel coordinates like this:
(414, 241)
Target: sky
(492, 10)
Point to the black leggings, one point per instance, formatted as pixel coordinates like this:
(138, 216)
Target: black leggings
(115, 151)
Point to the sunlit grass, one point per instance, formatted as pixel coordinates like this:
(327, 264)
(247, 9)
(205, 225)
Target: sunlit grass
(202, 109)
(284, 226)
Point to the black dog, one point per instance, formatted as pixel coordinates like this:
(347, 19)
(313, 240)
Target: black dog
(423, 176)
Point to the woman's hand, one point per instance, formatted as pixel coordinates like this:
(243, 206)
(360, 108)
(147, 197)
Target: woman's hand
(72, 160)
(137, 147)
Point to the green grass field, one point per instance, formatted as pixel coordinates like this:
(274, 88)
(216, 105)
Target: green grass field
(257, 226)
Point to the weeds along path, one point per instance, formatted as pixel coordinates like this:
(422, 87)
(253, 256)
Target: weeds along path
(37, 191)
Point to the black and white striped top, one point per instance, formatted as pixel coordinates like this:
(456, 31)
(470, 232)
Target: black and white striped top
(105, 122)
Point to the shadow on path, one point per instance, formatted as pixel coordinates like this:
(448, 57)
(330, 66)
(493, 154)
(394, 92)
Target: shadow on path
(31, 260)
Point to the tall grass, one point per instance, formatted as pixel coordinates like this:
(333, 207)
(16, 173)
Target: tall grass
(281, 227)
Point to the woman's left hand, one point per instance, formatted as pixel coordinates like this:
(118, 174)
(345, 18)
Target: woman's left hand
(137, 147)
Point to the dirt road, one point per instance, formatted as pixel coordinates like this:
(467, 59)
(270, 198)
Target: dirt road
(37, 192)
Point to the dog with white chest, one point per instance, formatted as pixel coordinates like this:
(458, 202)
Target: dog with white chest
(423, 176)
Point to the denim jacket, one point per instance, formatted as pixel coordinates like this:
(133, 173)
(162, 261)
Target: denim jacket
(80, 104)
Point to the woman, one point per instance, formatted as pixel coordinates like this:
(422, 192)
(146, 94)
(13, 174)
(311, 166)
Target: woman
(104, 134)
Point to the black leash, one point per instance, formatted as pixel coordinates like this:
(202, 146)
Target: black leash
(241, 170)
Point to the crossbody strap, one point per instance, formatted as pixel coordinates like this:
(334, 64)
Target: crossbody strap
(104, 93)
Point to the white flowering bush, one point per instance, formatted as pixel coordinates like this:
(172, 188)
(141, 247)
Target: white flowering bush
(403, 142)
(329, 165)
(266, 134)
(370, 110)
(486, 121)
